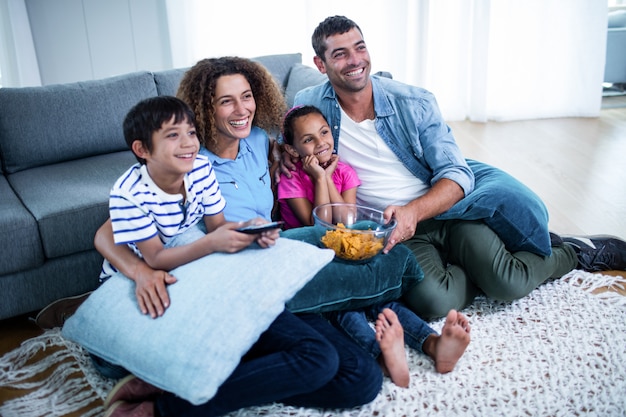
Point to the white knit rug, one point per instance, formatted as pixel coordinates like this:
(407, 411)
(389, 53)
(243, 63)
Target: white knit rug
(560, 351)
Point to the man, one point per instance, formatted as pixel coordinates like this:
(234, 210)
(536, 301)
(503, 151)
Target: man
(472, 227)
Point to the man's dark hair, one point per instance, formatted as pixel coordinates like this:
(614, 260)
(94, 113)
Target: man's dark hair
(333, 25)
(149, 115)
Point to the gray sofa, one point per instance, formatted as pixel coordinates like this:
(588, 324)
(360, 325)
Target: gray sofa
(615, 67)
(61, 149)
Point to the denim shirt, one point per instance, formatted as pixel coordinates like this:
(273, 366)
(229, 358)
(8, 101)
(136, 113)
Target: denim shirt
(409, 121)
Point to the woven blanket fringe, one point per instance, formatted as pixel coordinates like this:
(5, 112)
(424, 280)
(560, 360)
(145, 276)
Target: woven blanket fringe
(72, 384)
(592, 283)
(63, 391)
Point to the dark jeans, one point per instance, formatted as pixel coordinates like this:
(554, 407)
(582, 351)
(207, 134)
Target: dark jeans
(299, 360)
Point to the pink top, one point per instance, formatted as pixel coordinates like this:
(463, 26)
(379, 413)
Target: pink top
(301, 186)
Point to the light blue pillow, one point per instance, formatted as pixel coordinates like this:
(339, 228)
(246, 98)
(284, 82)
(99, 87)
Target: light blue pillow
(219, 307)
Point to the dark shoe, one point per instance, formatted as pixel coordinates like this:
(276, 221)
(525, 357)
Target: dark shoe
(55, 313)
(598, 253)
(132, 389)
(555, 240)
(126, 409)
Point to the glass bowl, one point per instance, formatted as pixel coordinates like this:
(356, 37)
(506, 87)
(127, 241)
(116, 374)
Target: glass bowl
(354, 232)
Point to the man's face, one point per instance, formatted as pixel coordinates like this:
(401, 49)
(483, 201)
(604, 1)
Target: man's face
(347, 61)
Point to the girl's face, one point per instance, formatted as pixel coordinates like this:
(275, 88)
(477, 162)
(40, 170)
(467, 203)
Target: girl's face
(234, 107)
(312, 136)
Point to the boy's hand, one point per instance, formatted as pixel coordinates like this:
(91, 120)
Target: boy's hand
(228, 240)
(151, 290)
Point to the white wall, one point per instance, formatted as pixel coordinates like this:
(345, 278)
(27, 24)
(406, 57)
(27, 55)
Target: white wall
(78, 40)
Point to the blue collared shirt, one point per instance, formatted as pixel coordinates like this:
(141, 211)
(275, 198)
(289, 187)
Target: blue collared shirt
(245, 182)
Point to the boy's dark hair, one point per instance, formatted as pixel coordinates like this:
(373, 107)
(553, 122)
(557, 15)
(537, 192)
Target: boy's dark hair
(333, 25)
(290, 118)
(149, 115)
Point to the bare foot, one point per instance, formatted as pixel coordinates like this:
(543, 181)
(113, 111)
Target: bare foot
(450, 346)
(390, 337)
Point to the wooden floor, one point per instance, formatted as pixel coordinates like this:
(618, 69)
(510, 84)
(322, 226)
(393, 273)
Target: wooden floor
(576, 165)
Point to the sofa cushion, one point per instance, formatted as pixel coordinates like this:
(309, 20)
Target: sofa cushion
(280, 66)
(220, 305)
(302, 76)
(167, 81)
(19, 237)
(46, 125)
(70, 200)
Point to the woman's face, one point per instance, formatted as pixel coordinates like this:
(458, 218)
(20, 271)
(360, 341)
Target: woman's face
(234, 107)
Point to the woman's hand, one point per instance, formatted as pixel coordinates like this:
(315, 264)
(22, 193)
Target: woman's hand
(268, 238)
(263, 239)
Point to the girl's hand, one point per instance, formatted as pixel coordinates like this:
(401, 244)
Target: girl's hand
(312, 167)
(332, 165)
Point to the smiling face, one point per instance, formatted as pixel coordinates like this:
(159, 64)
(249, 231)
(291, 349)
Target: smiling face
(234, 107)
(346, 61)
(312, 136)
(174, 150)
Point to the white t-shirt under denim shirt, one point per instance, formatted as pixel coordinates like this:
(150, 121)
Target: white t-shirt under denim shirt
(384, 181)
(140, 210)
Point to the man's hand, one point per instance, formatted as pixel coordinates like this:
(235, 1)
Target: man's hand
(151, 290)
(407, 222)
(286, 165)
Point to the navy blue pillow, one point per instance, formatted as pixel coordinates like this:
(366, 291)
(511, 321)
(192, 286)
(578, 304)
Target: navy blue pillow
(511, 209)
(349, 285)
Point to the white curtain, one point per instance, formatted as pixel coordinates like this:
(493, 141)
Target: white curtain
(18, 61)
(483, 59)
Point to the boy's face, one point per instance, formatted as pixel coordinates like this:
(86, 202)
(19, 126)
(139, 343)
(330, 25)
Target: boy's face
(312, 136)
(347, 61)
(234, 107)
(174, 149)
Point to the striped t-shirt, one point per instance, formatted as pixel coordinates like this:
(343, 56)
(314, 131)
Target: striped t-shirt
(140, 210)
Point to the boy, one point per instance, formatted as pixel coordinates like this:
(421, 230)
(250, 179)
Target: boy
(169, 191)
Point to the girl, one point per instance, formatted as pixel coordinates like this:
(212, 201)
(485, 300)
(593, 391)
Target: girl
(321, 178)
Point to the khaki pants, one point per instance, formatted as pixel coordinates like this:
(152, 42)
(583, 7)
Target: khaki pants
(462, 259)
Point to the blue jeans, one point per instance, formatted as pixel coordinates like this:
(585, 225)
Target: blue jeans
(301, 361)
(356, 325)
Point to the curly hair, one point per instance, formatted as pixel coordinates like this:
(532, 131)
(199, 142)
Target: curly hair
(197, 89)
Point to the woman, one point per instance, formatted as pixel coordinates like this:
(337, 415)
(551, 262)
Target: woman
(230, 95)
